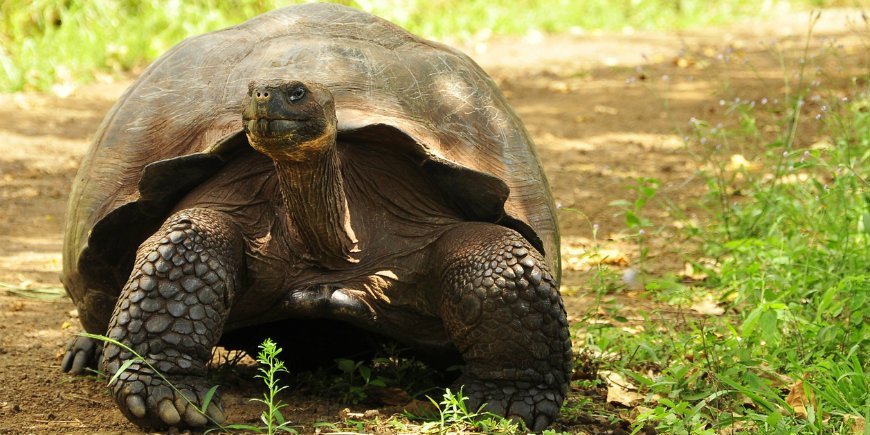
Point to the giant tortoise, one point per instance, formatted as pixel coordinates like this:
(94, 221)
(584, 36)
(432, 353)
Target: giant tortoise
(315, 173)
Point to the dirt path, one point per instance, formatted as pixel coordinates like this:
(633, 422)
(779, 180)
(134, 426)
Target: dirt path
(603, 109)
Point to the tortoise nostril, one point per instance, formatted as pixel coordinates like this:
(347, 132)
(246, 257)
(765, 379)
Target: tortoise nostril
(261, 94)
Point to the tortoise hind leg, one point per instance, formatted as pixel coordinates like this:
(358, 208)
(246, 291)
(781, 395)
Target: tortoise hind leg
(171, 312)
(501, 308)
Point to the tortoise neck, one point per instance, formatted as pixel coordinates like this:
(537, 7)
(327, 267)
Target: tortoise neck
(313, 194)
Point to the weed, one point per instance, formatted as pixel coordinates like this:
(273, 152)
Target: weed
(356, 378)
(645, 189)
(455, 417)
(271, 368)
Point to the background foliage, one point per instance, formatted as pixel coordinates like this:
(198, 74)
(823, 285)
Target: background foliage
(56, 43)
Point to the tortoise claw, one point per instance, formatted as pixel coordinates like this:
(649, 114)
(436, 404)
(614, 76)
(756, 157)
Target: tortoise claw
(535, 407)
(167, 412)
(136, 405)
(149, 402)
(82, 354)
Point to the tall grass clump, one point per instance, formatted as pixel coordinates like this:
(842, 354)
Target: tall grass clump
(785, 255)
(794, 254)
(55, 44)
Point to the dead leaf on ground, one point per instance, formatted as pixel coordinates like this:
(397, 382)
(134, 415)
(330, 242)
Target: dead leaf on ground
(606, 110)
(583, 259)
(778, 380)
(798, 400)
(619, 390)
(689, 274)
(613, 257)
(738, 162)
(707, 306)
(856, 423)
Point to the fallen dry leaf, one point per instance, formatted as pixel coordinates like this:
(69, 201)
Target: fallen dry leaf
(707, 306)
(619, 390)
(778, 380)
(798, 400)
(689, 273)
(606, 110)
(856, 422)
(578, 258)
(623, 397)
(739, 162)
(683, 61)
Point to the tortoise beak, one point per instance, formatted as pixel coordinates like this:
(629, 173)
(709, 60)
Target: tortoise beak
(270, 127)
(266, 112)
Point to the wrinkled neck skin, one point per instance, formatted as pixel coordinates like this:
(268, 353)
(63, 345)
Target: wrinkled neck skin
(313, 194)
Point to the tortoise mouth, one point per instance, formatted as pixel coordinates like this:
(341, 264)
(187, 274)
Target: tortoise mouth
(272, 127)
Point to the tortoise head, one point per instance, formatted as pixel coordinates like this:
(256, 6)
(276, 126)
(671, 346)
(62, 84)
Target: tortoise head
(288, 119)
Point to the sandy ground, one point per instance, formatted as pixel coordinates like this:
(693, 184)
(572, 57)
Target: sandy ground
(604, 109)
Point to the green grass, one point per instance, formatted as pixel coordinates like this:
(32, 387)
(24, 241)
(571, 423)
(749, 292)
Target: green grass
(57, 44)
(788, 238)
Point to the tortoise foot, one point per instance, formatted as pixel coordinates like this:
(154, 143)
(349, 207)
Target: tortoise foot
(149, 401)
(502, 309)
(535, 405)
(171, 313)
(82, 355)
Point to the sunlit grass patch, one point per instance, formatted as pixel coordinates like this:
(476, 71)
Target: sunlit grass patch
(56, 44)
(767, 333)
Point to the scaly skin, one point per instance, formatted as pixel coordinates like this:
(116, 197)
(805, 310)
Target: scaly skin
(502, 310)
(172, 311)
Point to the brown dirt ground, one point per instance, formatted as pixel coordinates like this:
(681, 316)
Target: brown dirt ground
(603, 109)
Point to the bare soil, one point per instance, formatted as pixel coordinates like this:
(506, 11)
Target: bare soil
(604, 109)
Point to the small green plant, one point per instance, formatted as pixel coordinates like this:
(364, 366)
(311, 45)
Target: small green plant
(645, 190)
(355, 380)
(391, 372)
(454, 416)
(675, 418)
(271, 367)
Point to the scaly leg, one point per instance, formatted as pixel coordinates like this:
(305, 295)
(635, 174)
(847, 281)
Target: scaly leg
(172, 311)
(502, 309)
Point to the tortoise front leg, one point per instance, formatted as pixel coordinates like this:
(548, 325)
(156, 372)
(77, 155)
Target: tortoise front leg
(172, 311)
(502, 309)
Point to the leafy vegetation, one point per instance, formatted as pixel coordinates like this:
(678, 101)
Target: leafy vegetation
(454, 416)
(783, 262)
(55, 44)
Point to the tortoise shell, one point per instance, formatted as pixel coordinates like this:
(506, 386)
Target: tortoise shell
(180, 122)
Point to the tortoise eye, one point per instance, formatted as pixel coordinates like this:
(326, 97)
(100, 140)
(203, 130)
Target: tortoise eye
(297, 94)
